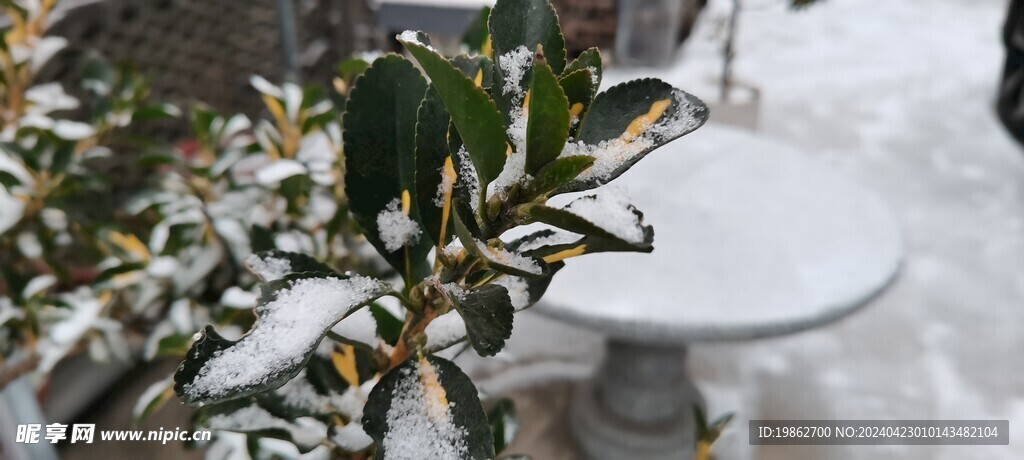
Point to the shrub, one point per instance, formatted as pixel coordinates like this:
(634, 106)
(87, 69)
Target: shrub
(435, 175)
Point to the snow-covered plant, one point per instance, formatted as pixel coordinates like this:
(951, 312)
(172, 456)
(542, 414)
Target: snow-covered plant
(54, 226)
(237, 188)
(436, 174)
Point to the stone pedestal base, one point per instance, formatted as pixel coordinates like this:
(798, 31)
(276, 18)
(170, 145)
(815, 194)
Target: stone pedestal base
(641, 405)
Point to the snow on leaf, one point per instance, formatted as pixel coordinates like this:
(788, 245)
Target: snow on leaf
(396, 228)
(305, 432)
(427, 408)
(627, 122)
(294, 314)
(444, 331)
(612, 212)
(278, 171)
(273, 265)
(359, 327)
(351, 437)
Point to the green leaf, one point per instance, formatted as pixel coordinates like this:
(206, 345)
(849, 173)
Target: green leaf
(108, 274)
(248, 416)
(589, 60)
(262, 238)
(414, 393)
(580, 92)
(293, 315)
(629, 121)
(487, 311)
(152, 400)
(548, 125)
(155, 112)
(431, 155)
(497, 258)
(8, 180)
(176, 345)
(558, 173)
(389, 328)
(473, 112)
(477, 38)
(610, 223)
(352, 67)
(467, 185)
(274, 264)
(504, 423)
(380, 159)
(526, 23)
(479, 68)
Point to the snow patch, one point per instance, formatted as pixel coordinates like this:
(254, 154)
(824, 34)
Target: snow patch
(420, 421)
(289, 327)
(397, 229)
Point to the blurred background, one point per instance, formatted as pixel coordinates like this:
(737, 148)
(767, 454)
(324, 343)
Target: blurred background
(898, 97)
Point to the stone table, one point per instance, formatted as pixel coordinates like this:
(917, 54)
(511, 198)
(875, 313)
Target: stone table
(753, 239)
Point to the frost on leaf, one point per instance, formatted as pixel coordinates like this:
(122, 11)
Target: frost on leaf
(505, 258)
(294, 315)
(274, 265)
(608, 220)
(427, 408)
(611, 212)
(396, 228)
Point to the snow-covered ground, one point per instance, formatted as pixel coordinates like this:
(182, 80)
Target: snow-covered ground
(899, 95)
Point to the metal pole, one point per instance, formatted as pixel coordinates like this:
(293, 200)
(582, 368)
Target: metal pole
(289, 53)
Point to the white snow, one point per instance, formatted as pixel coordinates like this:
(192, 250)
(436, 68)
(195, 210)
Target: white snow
(262, 85)
(445, 331)
(269, 268)
(611, 210)
(609, 155)
(288, 328)
(444, 187)
(162, 267)
(898, 95)
(278, 171)
(236, 297)
(299, 394)
(38, 284)
(149, 395)
(468, 178)
(360, 326)
(514, 65)
(518, 290)
(419, 420)
(509, 259)
(305, 432)
(351, 437)
(411, 36)
(554, 239)
(396, 228)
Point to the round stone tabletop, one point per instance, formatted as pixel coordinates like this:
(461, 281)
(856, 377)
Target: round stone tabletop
(752, 239)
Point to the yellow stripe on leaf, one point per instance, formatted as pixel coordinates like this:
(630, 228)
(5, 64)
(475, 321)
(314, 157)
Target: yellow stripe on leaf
(641, 123)
(345, 363)
(406, 202)
(576, 109)
(562, 255)
(448, 177)
(434, 393)
(131, 244)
